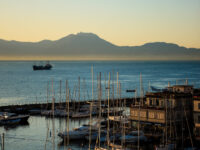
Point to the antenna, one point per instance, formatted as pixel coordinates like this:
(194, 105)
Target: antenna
(149, 87)
(168, 84)
(186, 82)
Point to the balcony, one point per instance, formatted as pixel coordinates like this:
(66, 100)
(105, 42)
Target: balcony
(148, 115)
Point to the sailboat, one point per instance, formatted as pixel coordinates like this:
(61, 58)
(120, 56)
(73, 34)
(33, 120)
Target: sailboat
(75, 134)
(100, 137)
(107, 137)
(84, 114)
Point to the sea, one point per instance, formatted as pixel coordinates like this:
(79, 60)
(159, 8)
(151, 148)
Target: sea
(19, 84)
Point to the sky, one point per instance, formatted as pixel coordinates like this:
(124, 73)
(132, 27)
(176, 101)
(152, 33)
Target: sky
(121, 22)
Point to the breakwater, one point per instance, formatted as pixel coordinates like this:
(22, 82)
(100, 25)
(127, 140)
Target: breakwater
(25, 108)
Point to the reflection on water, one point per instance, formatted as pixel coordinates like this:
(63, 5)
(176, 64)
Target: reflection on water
(14, 126)
(38, 135)
(39, 131)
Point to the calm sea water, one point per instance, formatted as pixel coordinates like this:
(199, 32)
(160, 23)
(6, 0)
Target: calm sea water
(20, 84)
(38, 134)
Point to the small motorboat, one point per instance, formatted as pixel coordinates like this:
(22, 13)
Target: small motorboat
(95, 134)
(76, 134)
(132, 137)
(56, 112)
(81, 114)
(11, 118)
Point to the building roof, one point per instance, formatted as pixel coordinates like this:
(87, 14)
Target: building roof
(166, 94)
(182, 86)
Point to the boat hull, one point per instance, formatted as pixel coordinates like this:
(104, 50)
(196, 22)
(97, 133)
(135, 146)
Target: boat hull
(10, 121)
(73, 135)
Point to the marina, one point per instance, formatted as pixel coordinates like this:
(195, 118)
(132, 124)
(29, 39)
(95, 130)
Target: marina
(105, 119)
(113, 130)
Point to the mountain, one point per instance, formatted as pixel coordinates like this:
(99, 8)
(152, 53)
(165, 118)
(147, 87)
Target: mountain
(90, 46)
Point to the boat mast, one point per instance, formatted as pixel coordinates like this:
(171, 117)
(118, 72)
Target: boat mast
(113, 102)
(141, 99)
(67, 103)
(124, 123)
(53, 123)
(108, 126)
(66, 87)
(99, 122)
(53, 100)
(117, 88)
(170, 100)
(92, 84)
(79, 90)
(91, 109)
(60, 92)
(68, 117)
(121, 125)
(113, 91)
(166, 121)
(188, 127)
(47, 94)
(74, 97)
(105, 88)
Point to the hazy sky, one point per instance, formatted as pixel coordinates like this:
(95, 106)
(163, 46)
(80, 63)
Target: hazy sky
(122, 22)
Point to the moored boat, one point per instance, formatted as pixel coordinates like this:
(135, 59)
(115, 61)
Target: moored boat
(12, 118)
(73, 135)
(81, 115)
(132, 137)
(76, 134)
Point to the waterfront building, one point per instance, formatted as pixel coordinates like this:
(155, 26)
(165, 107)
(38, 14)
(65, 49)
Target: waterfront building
(196, 106)
(167, 113)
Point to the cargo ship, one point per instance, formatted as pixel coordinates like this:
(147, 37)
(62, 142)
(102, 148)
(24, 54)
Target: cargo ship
(47, 66)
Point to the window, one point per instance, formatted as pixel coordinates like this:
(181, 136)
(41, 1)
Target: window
(143, 114)
(151, 115)
(135, 113)
(160, 115)
(198, 119)
(150, 102)
(157, 102)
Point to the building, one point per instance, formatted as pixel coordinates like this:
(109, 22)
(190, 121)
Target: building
(168, 113)
(196, 106)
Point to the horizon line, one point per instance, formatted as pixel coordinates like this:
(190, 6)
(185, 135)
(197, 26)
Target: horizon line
(28, 58)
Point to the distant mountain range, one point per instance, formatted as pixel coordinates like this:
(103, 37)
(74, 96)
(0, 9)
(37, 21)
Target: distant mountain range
(90, 46)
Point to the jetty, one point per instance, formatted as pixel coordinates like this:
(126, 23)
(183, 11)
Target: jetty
(35, 107)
